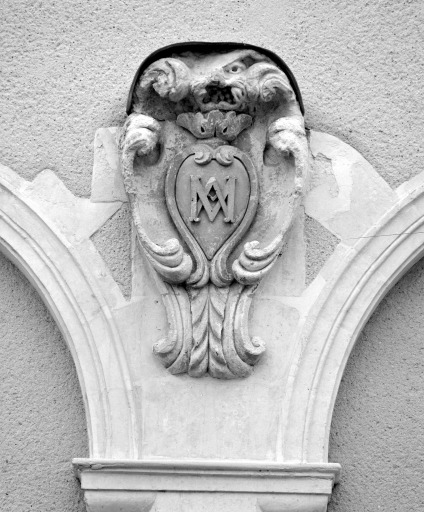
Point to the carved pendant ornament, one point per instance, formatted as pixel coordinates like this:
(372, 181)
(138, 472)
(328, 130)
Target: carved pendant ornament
(214, 157)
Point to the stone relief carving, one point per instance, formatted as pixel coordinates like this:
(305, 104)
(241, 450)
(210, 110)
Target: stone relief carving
(214, 157)
(135, 463)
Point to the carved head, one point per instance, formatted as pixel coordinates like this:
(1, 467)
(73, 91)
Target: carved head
(198, 78)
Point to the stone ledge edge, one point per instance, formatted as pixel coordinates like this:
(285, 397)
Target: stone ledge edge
(207, 476)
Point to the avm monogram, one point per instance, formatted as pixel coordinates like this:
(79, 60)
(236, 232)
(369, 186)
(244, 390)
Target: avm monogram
(212, 199)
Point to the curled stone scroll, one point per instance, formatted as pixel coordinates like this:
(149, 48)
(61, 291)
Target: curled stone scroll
(214, 157)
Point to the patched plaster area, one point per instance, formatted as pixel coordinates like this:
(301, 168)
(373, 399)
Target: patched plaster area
(113, 241)
(346, 195)
(320, 245)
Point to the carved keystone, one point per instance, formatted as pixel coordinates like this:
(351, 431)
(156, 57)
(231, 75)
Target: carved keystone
(200, 124)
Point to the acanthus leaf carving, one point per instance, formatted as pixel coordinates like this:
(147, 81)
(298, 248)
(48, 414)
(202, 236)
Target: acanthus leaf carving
(224, 114)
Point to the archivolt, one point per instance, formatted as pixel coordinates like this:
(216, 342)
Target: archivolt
(65, 281)
(359, 281)
(361, 274)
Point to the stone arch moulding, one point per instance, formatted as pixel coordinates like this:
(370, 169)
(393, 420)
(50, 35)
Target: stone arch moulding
(368, 270)
(216, 417)
(57, 267)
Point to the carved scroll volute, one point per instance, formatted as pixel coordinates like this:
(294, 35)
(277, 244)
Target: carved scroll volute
(140, 135)
(170, 78)
(265, 81)
(288, 138)
(212, 193)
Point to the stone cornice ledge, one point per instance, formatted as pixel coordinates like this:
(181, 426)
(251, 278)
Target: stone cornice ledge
(185, 486)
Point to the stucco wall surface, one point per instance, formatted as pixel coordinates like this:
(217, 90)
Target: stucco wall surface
(42, 422)
(376, 435)
(65, 71)
(377, 430)
(67, 67)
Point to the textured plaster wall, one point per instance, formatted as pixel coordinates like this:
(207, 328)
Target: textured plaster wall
(377, 430)
(42, 421)
(65, 69)
(113, 241)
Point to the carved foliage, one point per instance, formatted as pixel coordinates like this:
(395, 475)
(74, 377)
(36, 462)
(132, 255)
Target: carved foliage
(215, 124)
